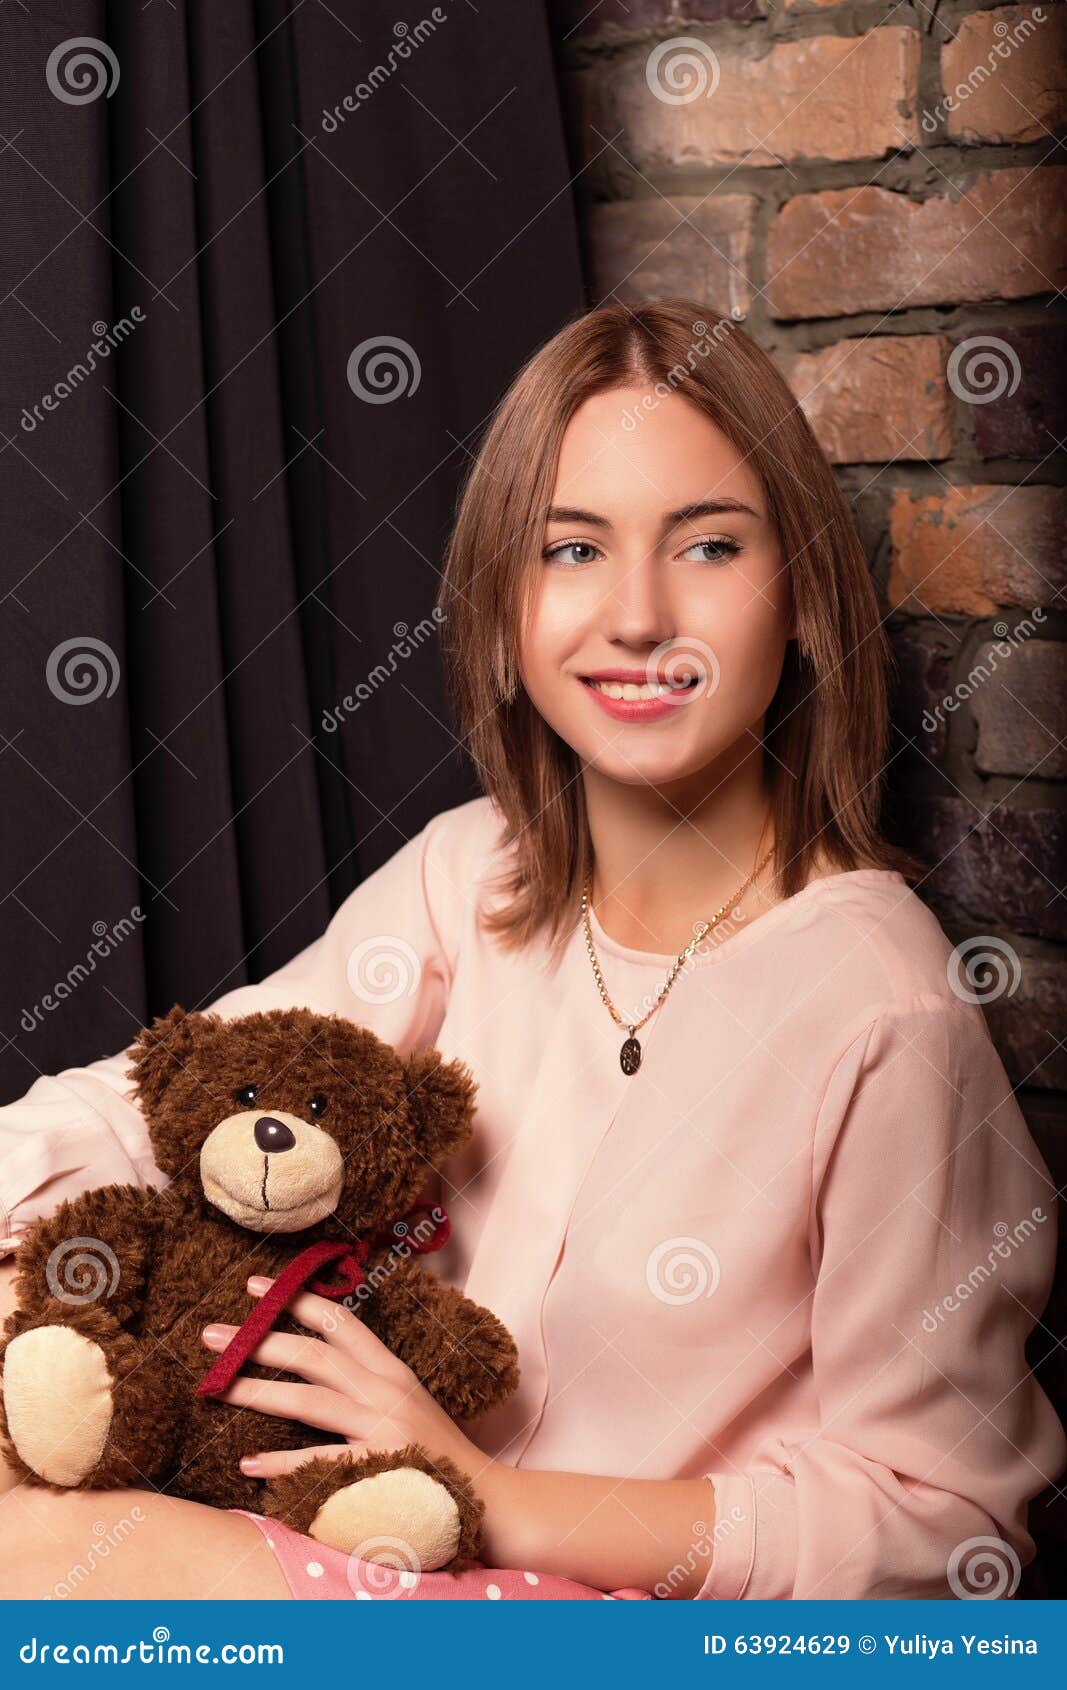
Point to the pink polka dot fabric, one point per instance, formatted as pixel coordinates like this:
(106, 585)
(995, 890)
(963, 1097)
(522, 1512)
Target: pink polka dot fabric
(315, 1573)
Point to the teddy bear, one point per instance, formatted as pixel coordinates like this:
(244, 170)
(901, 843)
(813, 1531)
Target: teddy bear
(296, 1146)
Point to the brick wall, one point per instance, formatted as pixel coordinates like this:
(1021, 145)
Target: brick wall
(880, 193)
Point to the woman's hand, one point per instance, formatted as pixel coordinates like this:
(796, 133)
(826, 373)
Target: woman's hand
(355, 1387)
(607, 1532)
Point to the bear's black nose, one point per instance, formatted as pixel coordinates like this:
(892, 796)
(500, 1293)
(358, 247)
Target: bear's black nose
(273, 1135)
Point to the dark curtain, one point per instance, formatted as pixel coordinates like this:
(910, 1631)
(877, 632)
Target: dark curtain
(214, 533)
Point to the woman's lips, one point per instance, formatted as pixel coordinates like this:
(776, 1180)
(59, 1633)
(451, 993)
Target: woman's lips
(640, 709)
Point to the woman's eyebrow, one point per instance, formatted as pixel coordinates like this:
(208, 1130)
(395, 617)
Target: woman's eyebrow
(685, 513)
(707, 507)
(574, 513)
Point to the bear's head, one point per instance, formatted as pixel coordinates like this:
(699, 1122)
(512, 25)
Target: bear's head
(286, 1117)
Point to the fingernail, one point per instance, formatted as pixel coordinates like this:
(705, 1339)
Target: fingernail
(218, 1334)
(258, 1283)
(251, 1463)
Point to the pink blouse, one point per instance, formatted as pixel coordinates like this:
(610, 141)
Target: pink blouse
(798, 1252)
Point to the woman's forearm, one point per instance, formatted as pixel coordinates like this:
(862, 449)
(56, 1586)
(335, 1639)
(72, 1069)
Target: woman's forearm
(610, 1533)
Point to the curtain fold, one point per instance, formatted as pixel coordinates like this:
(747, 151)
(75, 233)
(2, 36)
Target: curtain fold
(269, 268)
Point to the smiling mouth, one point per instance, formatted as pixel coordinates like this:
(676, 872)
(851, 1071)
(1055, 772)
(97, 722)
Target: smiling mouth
(640, 691)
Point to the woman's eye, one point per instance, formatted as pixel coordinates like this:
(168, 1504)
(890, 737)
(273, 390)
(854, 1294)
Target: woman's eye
(557, 553)
(246, 1097)
(317, 1104)
(713, 550)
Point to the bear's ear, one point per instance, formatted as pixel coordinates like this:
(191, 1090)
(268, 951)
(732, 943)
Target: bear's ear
(440, 1101)
(160, 1052)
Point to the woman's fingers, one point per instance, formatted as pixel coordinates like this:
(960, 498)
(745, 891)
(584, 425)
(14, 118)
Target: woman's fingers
(313, 1405)
(289, 1352)
(339, 1326)
(269, 1463)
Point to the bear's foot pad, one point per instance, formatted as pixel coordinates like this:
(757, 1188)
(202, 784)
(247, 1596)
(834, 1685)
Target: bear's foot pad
(401, 1518)
(57, 1397)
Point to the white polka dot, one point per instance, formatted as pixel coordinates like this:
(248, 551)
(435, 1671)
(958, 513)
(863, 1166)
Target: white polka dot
(364, 1596)
(315, 1569)
(493, 1592)
(531, 1578)
(408, 1580)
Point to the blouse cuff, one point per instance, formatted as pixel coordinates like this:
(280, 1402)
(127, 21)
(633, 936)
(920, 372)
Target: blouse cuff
(9, 1239)
(52, 1164)
(754, 1538)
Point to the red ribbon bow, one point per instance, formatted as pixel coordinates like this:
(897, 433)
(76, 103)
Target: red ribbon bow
(348, 1259)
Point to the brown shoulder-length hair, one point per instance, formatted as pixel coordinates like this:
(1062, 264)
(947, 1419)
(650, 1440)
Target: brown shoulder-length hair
(827, 726)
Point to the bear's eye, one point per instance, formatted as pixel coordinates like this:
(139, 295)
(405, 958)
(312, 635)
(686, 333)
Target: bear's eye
(246, 1096)
(317, 1104)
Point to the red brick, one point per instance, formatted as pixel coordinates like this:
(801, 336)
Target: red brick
(864, 249)
(970, 550)
(1021, 708)
(1014, 94)
(1019, 398)
(1003, 867)
(874, 400)
(919, 681)
(646, 249)
(824, 97)
(1027, 1027)
(571, 19)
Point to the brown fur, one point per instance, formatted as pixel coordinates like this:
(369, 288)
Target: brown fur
(172, 1261)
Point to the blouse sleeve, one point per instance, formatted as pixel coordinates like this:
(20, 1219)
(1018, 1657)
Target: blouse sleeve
(384, 960)
(932, 1234)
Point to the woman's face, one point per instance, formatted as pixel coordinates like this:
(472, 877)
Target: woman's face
(662, 606)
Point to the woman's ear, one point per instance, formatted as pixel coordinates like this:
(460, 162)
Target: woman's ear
(441, 1102)
(160, 1052)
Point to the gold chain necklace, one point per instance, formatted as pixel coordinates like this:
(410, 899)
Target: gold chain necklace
(630, 1054)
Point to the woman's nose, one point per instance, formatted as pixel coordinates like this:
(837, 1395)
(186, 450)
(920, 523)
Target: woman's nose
(635, 610)
(273, 1135)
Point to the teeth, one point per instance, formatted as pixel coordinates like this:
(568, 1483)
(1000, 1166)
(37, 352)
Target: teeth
(631, 690)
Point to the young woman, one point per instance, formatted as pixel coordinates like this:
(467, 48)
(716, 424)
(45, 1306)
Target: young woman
(746, 1159)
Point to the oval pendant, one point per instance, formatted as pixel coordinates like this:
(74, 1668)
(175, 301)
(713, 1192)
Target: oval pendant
(630, 1055)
